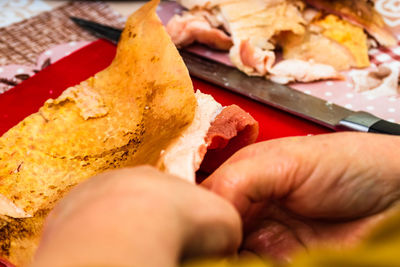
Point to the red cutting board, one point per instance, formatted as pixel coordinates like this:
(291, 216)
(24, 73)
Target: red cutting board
(27, 97)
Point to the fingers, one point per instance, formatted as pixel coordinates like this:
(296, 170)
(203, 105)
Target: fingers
(273, 240)
(259, 172)
(212, 225)
(137, 217)
(342, 175)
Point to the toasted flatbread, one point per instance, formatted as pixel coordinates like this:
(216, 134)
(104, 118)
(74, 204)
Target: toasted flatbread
(123, 116)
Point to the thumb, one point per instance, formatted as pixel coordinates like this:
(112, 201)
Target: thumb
(212, 226)
(257, 173)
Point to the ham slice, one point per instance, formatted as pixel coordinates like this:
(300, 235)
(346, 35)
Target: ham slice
(291, 70)
(231, 130)
(252, 59)
(214, 135)
(317, 48)
(184, 157)
(189, 28)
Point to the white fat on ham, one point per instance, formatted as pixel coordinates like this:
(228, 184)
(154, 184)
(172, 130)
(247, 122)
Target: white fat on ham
(252, 29)
(198, 26)
(255, 60)
(183, 158)
(291, 70)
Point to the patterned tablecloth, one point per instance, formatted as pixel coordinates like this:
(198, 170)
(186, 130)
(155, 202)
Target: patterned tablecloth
(36, 33)
(12, 11)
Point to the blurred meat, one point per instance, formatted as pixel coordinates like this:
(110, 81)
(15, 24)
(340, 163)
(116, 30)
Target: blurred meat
(253, 24)
(291, 70)
(382, 81)
(253, 59)
(317, 48)
(206, 4)
(189, 28)
(232, 129)
(361, 13)
(328, 40)
(235, 11)
(311, 33)
(349, 36)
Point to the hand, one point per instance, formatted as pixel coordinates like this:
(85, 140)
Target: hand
(296, 193)
(137, 217)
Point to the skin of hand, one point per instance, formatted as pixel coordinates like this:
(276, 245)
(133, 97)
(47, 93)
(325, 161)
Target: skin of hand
(299, 193)
(137, 217)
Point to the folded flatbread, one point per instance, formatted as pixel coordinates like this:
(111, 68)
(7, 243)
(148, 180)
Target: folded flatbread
(142, 109)
(125, 115)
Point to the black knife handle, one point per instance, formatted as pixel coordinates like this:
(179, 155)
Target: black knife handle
(365, 122)
(385, 127)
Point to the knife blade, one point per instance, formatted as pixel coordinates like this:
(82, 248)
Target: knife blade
(259, 89)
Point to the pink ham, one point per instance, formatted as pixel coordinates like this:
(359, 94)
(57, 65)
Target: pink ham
(260, 60)
(194, 27)
(231, 130)
(215, 133)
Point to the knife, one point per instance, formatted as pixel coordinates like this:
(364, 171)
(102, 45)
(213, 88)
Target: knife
(257, 88)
